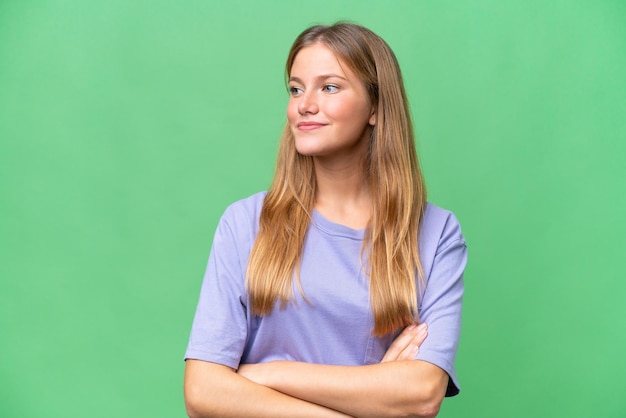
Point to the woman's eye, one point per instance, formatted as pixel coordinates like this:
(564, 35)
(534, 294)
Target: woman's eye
(330, 88)
(294, 91)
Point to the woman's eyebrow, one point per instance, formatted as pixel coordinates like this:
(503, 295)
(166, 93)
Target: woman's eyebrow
(319, 77)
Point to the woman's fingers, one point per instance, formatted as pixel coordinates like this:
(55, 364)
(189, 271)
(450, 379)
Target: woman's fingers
(398, 344)
(412, 349)
(406, 344)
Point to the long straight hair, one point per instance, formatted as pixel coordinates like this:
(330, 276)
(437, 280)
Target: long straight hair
(392, 172)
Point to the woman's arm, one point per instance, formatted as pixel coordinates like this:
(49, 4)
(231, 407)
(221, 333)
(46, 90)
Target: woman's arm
(392, 389)
(398, 386)
(214, 390)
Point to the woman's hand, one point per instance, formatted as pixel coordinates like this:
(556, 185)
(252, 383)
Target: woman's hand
(407, 343)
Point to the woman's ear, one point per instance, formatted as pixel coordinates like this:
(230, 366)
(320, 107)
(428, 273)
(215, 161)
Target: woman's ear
(372, 120)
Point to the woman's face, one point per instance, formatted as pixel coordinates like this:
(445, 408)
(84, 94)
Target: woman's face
(329, 110)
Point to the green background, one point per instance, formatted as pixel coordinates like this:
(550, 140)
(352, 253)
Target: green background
(127, 127)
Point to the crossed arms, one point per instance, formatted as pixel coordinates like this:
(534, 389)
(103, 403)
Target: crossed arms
(398, 386)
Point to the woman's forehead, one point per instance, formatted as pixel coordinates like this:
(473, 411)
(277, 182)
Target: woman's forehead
(319, 58)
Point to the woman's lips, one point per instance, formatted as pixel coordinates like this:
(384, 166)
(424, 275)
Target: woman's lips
(310, 126)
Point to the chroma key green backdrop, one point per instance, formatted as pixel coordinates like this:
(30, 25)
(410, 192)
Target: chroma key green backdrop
(126, 128)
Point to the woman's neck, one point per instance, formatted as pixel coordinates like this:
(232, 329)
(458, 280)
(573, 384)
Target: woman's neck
(343, 195)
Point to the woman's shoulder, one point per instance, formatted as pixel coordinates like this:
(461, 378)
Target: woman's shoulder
(240, 220)
(246, 209)
(253, 202)
(439, 226)
(434, 213)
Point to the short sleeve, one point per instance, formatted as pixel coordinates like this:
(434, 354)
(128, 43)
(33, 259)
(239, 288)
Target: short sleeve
(441, 300)
(219, 327)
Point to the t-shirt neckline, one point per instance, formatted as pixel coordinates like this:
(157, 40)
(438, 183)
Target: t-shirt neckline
(335, 229)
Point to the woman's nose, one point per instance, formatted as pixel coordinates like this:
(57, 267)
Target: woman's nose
(308, 104)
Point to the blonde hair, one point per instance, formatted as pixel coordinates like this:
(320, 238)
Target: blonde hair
(394, 177)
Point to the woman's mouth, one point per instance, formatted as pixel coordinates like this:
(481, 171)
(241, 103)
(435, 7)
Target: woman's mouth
(310, 126)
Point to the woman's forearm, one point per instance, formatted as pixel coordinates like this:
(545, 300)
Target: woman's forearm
(213, 390)
(391, 389)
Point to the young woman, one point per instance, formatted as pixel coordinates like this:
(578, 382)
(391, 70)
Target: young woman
(338, 292)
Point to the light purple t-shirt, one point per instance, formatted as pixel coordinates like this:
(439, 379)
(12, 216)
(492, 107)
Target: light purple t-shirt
(335, 326)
